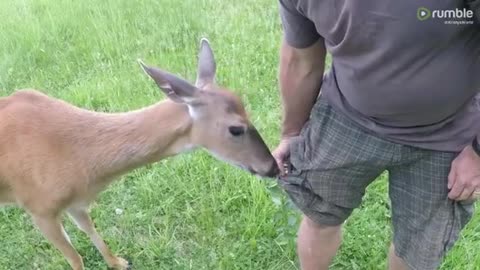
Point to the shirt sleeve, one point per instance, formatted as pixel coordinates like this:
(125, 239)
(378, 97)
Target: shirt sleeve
(474, 5)
(298, 30)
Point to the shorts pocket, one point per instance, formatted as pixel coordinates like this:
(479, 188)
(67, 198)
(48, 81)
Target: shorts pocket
(304, 149)
(298, 188)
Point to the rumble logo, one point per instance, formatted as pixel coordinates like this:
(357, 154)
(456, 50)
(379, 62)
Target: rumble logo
(423, 13)
(450, 16)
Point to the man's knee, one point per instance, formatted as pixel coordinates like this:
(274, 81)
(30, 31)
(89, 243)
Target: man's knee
(317, 243)
(319, 227)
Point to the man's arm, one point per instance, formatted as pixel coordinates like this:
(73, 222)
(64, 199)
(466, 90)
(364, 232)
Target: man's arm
(302, 62)
(300, 76)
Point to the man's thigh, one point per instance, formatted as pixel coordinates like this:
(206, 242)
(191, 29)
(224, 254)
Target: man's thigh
(426, 222)
(333, 161)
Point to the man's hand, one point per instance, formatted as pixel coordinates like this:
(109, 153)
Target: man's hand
(282, 154)
(464, 177)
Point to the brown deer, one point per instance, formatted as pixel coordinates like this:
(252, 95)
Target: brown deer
(56, 158)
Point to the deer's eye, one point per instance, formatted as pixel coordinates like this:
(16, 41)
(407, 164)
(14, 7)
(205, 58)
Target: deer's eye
(236, 130)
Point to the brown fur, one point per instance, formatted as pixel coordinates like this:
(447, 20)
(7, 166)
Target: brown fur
(36, 132)
(56, 157)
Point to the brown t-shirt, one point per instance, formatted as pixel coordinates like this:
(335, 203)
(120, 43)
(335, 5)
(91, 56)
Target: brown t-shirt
(406, 70)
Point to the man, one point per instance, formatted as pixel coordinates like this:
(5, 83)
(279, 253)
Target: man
(400, 96)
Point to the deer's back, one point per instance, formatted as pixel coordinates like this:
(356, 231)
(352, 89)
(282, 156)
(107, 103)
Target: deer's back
(31, 118)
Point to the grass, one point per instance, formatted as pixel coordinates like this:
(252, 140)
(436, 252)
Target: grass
(191, 211)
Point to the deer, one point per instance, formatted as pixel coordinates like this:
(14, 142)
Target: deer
(55, 157)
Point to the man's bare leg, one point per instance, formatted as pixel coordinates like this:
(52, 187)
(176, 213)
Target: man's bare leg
(394, 262)
(317, 244)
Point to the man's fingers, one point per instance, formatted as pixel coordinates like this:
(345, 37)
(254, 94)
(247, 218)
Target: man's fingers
(467, 192)
(281, 155)
(456, 190)
(451, 177)
(280, 166)
(280, 159)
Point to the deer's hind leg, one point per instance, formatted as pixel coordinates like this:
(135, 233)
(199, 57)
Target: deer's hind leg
(52, 228)
(81, 217)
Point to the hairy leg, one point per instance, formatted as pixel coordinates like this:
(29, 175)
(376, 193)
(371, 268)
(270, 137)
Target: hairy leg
(317, 244)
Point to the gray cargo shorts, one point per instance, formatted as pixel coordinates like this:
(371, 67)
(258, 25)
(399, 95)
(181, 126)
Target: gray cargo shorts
(334, 160)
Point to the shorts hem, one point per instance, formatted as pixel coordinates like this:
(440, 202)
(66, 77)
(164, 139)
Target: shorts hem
(410, 265)
(321, 221)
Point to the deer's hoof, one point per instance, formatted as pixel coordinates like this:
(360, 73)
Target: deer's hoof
(121, 264)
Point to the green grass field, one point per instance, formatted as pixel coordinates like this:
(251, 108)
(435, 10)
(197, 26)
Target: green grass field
(191, 211)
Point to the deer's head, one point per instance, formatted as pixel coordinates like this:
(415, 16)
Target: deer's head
(219, 121)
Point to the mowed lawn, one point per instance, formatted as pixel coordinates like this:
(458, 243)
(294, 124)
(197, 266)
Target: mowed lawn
(190, 211)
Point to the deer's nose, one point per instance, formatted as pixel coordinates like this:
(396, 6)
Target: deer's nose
(274, 171)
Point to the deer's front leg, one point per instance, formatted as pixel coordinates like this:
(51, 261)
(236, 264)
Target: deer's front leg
(53, 230)
(81, 217)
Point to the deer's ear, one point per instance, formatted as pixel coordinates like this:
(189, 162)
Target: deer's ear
(206, 69)
(176, 88)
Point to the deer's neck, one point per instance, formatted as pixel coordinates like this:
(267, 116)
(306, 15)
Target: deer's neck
(126, 141)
